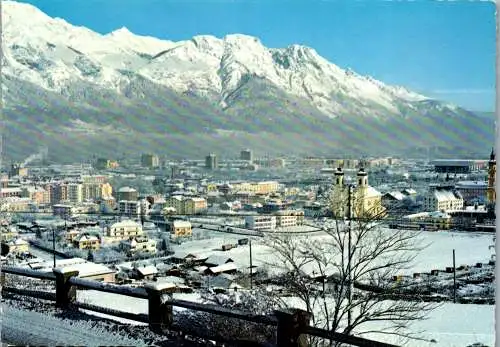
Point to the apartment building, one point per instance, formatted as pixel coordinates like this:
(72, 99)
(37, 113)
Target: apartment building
(176, 202)
(124, 230)
(10, 192)
(186, 205)
(129, 208)
(265, 187)
(15, 204)
(38, 195)
(443, 199)
(195, 205)
(58, 193)
(75, 193)
(289, 218)
(127, 193)
(260, 222)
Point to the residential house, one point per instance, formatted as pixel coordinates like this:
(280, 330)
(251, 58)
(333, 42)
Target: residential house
(144, 272)
(86, 269)
(138, 244)
(180, 228)
(217, 260)
(87, 241)
(228, 268)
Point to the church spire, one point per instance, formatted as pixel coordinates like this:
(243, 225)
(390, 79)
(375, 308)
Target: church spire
(492, 155)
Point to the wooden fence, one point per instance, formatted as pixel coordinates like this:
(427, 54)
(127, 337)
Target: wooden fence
(290, 325)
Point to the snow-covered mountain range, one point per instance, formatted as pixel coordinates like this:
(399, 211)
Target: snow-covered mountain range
(84, 80)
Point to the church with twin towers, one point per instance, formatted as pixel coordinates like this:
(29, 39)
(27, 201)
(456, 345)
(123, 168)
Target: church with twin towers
(365, 201)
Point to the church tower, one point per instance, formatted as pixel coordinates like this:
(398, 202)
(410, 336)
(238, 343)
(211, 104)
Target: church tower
(492, 171)
(362, 178)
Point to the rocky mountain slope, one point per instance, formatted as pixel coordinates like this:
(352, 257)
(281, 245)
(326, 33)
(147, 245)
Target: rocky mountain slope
(76, 90)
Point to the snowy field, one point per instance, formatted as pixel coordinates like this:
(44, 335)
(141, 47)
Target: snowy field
(452, 325)
(469, 249)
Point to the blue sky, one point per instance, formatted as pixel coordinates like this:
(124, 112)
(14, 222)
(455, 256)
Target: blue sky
(444, 49)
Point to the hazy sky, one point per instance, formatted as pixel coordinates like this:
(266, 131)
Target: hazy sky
(444, 49)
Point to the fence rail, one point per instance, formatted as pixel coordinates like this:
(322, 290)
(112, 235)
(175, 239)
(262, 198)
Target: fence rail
(290, 325)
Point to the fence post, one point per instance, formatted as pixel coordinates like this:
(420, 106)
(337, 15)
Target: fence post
(2, 279)
(291, 324)
(159, 312)
(65, 291)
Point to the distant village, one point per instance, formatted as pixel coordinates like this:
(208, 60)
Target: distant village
(186, 223)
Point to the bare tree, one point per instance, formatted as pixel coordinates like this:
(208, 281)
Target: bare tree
(322, 272)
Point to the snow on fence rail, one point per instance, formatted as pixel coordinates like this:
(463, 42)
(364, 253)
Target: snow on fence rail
(290, 325)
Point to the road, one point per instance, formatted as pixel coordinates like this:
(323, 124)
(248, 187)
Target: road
(22, 328)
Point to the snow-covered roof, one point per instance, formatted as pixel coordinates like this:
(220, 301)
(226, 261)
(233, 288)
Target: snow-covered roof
(197, 199)
(171, 279)
(125, 223)
(71, 261)
(86, 237)
(85, 269)
(217, 260)
(126, 190)
(147, 270)
(472, 184)
(396, 195)
(11, 190)
(224, 267)
(439, 214)
(445, 195)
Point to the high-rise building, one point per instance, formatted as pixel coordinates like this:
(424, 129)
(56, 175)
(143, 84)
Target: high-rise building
(150, 161)
(127, 194)
(211, 161)
(246, 154)
(58, 193)
(75, 193)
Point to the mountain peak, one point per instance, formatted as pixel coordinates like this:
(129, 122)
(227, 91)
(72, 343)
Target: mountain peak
(17, 11)
(121, 32)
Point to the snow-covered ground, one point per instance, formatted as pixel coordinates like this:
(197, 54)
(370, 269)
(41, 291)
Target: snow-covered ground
(450, 325)
(22, 327)
(469, 249)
